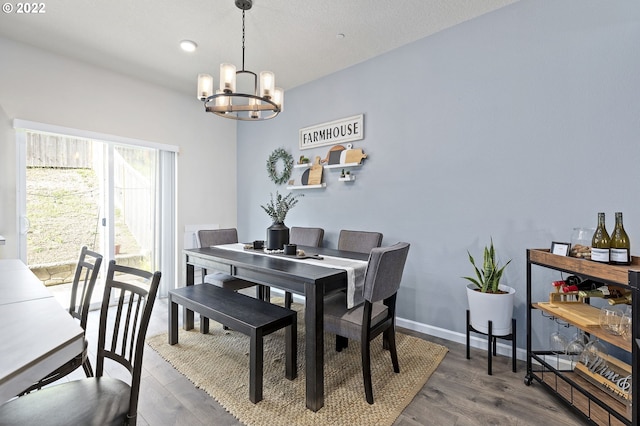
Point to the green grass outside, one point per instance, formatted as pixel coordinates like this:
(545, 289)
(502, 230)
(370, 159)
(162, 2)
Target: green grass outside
(64, 215)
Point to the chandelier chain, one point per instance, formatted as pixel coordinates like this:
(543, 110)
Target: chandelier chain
(243, 40)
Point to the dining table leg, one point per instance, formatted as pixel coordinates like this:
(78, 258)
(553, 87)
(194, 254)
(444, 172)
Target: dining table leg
(187, 315)
(314, 317)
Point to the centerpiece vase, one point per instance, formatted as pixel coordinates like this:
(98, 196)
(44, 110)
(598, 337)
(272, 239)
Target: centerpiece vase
(277, 236)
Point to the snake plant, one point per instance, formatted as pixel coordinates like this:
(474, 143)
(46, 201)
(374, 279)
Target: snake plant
(488, 278)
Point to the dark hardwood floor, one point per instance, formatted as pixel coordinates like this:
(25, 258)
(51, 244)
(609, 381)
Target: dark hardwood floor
(458, 393)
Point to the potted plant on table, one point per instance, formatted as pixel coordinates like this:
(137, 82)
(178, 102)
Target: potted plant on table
(277, 208)
(488, 299)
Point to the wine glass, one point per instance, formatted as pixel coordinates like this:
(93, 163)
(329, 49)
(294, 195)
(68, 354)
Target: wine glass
(625, 324)
(610, 319)
(593, 350)
(575, 347)
(558, 343)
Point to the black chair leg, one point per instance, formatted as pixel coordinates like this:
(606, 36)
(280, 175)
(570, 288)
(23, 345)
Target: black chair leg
(366, 370)
(392, 350)
(385, 339)
(288, 300)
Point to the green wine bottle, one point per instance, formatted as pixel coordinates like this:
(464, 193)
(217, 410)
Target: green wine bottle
(626, 299)
(620, 244)
(600, 243)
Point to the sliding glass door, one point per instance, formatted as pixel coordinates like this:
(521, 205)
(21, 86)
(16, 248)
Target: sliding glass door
(112, 196)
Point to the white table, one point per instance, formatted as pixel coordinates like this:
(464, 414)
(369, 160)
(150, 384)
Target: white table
(38, 335)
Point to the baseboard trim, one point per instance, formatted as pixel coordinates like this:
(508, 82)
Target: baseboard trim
(475, 340)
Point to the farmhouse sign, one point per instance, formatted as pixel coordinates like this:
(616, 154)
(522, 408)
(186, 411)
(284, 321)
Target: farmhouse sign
(331, 133)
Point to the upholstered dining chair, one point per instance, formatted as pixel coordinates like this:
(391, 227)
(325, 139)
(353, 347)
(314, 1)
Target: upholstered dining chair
(100, 400)
(84, 281)
(378, 313)
(359, 241)
(302, 236)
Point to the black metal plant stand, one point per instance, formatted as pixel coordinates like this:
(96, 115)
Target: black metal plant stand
(491, 342)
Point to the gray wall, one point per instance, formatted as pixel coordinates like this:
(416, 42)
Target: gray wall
(519, 125)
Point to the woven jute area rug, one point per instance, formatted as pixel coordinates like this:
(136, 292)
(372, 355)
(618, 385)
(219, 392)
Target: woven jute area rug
(218, 363)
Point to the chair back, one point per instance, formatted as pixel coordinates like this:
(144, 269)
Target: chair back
(215, 237)
(83, 283)
(122, 332)
(384, 271)
(359, 241)
(311, 237)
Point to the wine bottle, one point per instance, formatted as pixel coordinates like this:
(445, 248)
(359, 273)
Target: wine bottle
(604, 291)
(620, 300)
(599, 292)
(600, 243)
(620, 244)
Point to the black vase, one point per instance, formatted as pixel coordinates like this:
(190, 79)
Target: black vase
(277, 236)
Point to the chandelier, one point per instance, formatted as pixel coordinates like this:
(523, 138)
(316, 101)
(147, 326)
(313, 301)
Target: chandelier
(229, 103)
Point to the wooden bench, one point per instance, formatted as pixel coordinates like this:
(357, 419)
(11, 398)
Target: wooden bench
(247, 315)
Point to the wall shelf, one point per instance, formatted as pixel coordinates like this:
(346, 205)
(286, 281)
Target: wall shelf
(322, 185)
(347, 178)
(327, 166)
(337, 166)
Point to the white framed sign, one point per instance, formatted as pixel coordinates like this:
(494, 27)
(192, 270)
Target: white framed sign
(331, 133)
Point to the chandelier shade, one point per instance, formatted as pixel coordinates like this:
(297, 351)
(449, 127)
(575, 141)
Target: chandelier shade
(263, 102)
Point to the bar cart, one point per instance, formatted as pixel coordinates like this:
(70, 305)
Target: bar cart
(598, 402)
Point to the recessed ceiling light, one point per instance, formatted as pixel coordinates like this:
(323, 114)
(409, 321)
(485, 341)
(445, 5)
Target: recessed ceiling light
(188, 45)
(340, 36)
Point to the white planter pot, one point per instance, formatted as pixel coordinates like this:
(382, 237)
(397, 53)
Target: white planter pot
(497, 308)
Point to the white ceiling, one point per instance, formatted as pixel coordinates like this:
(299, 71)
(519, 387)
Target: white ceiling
(297, 40)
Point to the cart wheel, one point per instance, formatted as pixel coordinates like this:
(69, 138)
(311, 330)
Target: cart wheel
(528, 379)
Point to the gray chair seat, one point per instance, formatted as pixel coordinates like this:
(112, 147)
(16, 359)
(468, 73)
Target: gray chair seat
(348, 322)
(105, 401)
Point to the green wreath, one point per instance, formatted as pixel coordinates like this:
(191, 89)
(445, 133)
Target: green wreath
(272, 163)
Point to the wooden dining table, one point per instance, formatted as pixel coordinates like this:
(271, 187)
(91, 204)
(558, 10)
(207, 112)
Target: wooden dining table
(38, 335)
(311, 281)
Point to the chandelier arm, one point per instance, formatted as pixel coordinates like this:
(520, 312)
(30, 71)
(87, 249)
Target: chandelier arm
(268, 104)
